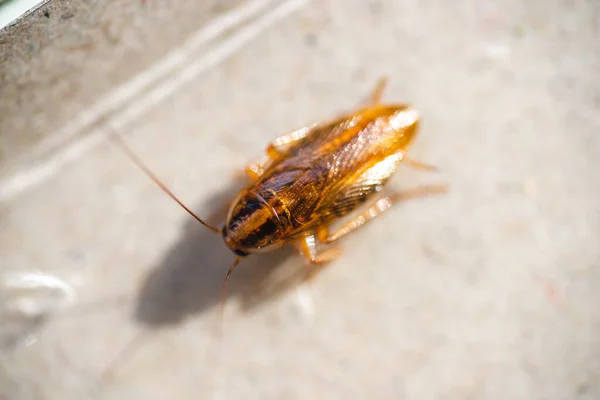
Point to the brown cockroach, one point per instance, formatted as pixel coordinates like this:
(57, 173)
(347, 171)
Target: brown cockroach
(315, 176)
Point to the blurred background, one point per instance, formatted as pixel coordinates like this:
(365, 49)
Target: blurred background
(108, 288)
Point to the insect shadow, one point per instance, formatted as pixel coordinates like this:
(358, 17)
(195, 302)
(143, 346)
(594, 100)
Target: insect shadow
(188, 279)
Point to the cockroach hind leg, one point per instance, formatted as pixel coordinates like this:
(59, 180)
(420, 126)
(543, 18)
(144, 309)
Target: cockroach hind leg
(420, 165)
(377, 93)
(382, 205)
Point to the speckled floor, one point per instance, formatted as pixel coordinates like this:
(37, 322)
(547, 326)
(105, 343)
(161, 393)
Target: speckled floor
(487, 292)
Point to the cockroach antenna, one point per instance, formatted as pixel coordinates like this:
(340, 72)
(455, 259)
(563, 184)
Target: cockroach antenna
(118, 140)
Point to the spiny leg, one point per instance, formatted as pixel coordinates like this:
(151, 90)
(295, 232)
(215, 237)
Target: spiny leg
(377, 208)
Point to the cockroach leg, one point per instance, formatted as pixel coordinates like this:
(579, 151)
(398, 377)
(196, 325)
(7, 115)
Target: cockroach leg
(322, 233)
(308, 248)
(325, 257)
(377, 93)
(277, 145)
(275, 148)
(257, 168)
(420, 165)
(380, 206)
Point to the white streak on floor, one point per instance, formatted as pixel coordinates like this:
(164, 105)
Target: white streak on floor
(27, 178)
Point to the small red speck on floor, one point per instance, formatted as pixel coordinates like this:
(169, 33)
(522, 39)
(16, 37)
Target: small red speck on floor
(551, 289)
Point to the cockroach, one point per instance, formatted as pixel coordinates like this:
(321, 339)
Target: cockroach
(313, 177)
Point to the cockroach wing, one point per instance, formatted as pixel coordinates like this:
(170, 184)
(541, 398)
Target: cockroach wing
(336, 167)
(361, 189)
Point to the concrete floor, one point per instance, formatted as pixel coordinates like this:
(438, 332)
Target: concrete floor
(488, 292)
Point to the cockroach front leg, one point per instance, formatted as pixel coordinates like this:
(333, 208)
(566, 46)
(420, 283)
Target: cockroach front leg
(257, 168)
(274, 150)
(277, 145)
(377, 208)
(307, 246)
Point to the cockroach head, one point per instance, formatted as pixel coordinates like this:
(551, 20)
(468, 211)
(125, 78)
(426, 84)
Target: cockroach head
(252, 225)
(231, 244)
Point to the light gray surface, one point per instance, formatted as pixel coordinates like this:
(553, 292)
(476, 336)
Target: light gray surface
(485, 293)
(59, 63)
